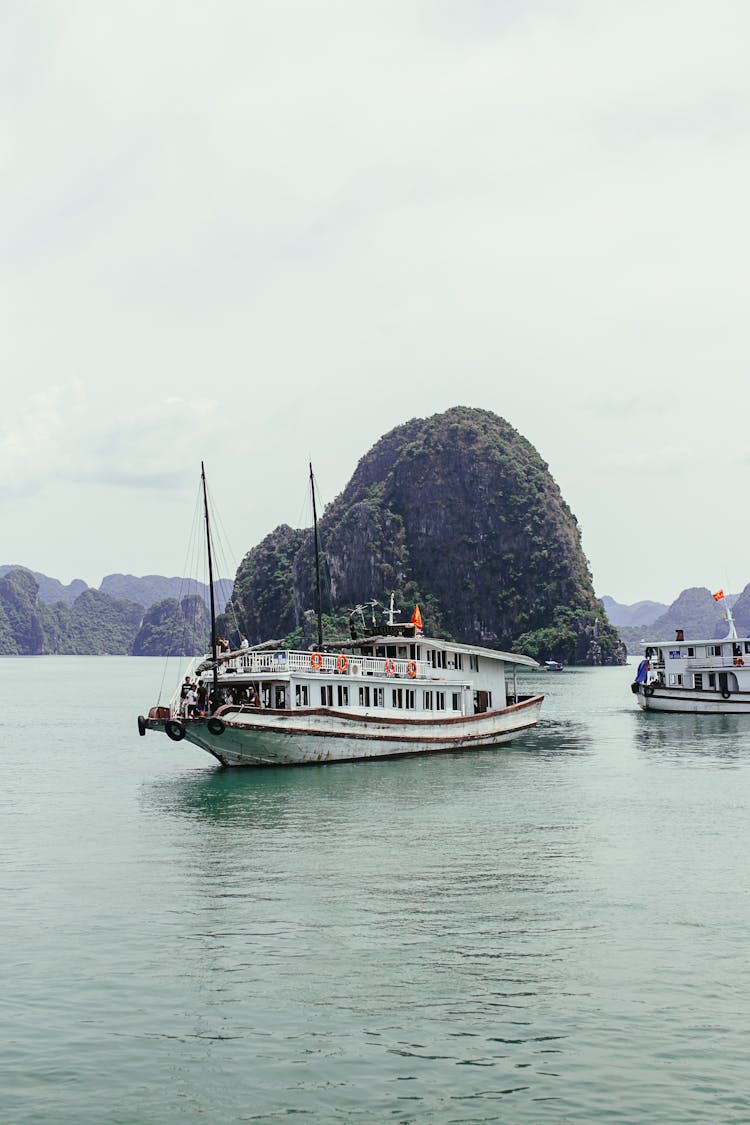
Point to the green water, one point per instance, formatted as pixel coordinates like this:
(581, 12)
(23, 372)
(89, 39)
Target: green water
(554, 931)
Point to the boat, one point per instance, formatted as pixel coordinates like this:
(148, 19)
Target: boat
(386, 691)
(553, 666)
(707, 676)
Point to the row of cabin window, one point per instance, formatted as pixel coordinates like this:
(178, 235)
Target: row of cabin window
(400, 698)
(716, 650)
(437, 657)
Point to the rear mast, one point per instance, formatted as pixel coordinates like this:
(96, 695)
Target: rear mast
(317, 560)
(214, 653)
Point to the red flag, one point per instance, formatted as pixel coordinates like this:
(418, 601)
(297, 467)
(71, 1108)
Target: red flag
(416, 618)
(718, 596)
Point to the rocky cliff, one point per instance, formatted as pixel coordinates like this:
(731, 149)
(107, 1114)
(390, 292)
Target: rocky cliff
(459, 513)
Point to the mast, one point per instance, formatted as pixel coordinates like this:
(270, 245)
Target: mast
(317, 560)
(210, 586)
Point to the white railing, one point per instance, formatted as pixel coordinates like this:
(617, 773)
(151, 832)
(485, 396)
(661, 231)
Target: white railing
(333, 663)
(718, 662)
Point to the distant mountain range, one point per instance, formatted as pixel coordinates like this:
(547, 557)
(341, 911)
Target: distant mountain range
(640, 613)
(146, 591)
(149, 616)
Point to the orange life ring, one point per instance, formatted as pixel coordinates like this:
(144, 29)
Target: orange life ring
(390, 668)
(739, 662)
(411, 669)
(342, 663)
(316, 660)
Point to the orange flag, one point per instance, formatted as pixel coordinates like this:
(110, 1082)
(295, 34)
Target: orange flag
(416, 618)
(718, 595)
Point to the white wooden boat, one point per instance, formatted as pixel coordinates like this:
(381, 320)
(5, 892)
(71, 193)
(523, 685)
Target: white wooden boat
(390, 695)
(701, 676)
(391, 692)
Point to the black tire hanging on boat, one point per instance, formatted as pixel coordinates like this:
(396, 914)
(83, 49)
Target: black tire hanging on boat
(141, 725)
(215, 725)
(725, 693)
(648, 689)
(174, 730)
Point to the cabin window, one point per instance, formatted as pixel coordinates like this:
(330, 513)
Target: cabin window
(747, 647)
(378, 697)
(712, 680)
(473, 662)
(410, 699)
(439, 700)
(326, 695)
(459, 660)
(489, 700)
(438, 658)
(456, 700)
(280, 694)
(714, 650)
(691, 652)
(364, 697)
(300, 695)
(342, 691)
(698, 681)
(398, 697)
(428, 701)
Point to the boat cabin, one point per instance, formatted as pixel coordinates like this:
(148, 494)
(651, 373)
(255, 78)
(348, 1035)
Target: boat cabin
(388, 673)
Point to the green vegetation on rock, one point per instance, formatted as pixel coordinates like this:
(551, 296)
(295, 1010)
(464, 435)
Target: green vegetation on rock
(458, 513)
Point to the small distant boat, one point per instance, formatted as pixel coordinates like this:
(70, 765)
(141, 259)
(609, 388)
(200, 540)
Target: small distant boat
(553, 666)
(710, 677)
(390, 692)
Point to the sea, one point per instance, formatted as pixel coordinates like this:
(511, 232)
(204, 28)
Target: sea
(551, 931)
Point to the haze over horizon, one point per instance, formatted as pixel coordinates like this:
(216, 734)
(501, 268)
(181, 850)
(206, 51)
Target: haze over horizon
(261, 235)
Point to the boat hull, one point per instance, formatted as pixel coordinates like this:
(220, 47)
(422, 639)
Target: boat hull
(313, 737)
(691, 701)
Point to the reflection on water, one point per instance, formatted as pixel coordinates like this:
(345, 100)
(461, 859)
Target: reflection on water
(693, 739)
(264, 795)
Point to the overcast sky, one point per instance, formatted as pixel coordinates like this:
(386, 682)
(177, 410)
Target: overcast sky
(264, 233)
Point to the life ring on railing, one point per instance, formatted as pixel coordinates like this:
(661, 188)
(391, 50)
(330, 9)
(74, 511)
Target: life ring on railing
(648, 689)
(216, 725)
(411, 669)
(342, 663)
(174, 730)
(390, 668)
(316, 660)
(739, 662)
(725, 693)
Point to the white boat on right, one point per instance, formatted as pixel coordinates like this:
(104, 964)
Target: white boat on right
(709, 677)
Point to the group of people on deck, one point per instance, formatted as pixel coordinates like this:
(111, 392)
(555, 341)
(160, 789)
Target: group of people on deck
(223, 646)
(195, 701)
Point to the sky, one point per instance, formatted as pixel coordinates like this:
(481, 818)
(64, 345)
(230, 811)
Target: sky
(259, 234)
